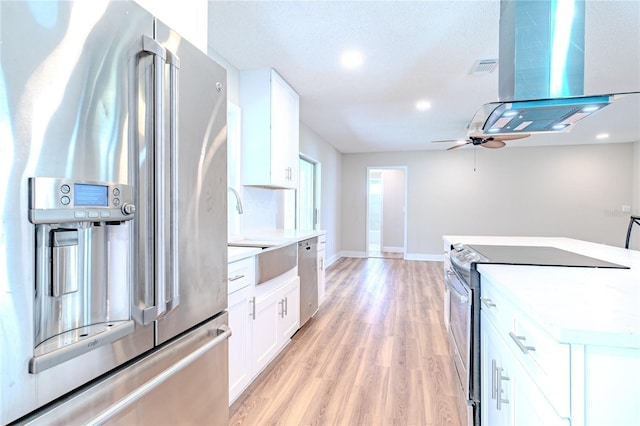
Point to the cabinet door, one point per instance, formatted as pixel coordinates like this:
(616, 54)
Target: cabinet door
(496, 393)
(289, 321)
(284, 133)
(239, 342)
(264, 331)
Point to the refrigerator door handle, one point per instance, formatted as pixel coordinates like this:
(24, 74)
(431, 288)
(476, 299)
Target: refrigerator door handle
(173, 299)
(222, 333)
(159, 53)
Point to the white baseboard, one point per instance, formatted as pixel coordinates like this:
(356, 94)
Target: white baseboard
(393, 249)
(424, 257)
(352, 254)
(328, 261)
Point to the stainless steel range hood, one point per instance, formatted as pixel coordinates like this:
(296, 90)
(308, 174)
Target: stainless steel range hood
(535, 116)
(541, 71)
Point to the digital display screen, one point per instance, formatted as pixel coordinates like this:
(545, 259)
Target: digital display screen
(91, 195)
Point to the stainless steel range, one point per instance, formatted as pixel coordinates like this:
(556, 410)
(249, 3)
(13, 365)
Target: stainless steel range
(463, 283)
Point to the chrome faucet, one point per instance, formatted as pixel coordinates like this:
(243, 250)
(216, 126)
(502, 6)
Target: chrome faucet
(238, 202)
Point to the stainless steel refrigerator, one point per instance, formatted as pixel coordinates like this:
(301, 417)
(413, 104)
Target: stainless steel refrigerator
(113, 190)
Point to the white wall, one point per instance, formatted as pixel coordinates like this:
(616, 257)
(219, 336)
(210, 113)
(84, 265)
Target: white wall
(635, 206)
(393, 205)
(569, 191)
(314, 147)
(188, 18)
(263, 208)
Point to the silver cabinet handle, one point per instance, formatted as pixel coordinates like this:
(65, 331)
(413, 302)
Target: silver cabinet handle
(286, 305)
(499, 379)
(488, 302)
(519, 340)
(236, 277)
(281, 303)
(252, 314)
(221, 334)
(494, 386)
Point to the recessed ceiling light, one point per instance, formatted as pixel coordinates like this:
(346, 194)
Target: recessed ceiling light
(352, 59)
(602, 136)
(423, 105)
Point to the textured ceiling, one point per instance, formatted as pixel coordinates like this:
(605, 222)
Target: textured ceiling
(414, 50)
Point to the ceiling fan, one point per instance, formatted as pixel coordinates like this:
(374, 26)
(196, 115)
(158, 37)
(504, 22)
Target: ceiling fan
(486, 141)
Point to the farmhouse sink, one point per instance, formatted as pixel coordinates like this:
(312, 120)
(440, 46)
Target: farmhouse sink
(275, 258)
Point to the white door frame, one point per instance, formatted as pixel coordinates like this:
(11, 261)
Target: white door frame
(406, 173)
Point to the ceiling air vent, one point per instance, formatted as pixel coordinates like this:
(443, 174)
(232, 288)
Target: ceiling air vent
(484, 66)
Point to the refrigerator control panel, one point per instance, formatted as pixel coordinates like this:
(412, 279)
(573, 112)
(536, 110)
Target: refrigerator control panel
(61, 200)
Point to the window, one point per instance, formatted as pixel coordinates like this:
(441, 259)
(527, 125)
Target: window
(307, 210)
(302, 206)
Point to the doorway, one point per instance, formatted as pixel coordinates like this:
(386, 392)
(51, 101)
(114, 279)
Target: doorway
(386, 212)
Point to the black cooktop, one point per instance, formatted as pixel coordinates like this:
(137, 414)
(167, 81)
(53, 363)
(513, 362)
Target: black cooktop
(539, 256)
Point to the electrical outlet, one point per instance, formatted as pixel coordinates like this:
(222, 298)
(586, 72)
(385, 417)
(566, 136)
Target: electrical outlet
(626, 208)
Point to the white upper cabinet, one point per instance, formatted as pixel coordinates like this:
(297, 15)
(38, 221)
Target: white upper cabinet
(270, 130)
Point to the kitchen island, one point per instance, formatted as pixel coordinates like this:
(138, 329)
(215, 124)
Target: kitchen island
(559, 345)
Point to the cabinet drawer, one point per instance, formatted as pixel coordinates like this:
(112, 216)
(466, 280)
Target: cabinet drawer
(241, 273)
(496, 308)
(545, 360)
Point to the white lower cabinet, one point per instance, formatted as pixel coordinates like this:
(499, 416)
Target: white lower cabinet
(262, 319)
(277, 317)
(289, 315)
(496, 397)
(240, 360)
(509, 395)
(530, 378)
(264, 330)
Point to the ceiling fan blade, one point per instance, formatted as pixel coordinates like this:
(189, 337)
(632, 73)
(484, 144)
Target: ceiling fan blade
(493, 143)
(513, 137)
(460, 145)
(449, 140)
(504, 137)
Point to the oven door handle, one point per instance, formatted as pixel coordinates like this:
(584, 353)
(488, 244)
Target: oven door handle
(462, 297)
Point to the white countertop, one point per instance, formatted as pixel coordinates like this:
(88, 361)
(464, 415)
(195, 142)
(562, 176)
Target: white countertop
(238, 253)
(283, 235)
(575, 305)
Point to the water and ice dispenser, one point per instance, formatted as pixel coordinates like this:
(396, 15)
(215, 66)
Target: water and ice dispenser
(83, 253)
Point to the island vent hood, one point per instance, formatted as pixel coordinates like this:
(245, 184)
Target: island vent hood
(541, 70)
(535, 116)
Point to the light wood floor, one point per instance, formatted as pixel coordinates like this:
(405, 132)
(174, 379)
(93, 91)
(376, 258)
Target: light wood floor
(374, 354)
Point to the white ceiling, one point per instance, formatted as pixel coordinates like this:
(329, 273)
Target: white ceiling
(415, 50)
